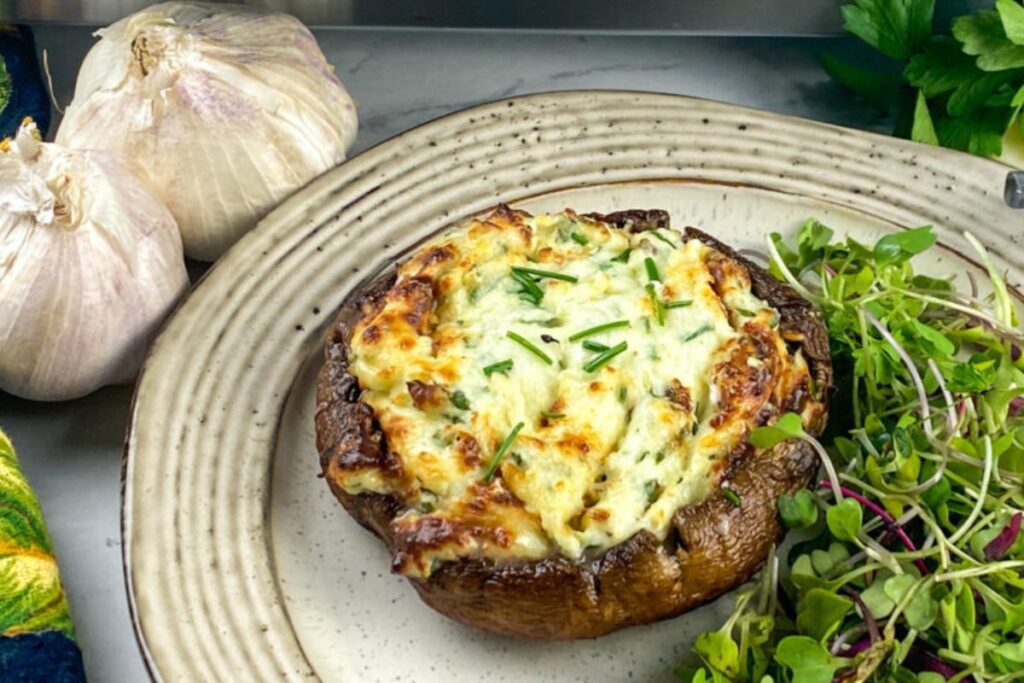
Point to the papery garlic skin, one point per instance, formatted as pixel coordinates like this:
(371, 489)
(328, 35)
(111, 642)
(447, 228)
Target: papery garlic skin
(90, 265)
(226, 110)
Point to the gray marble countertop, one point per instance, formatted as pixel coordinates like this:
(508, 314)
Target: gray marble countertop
(71, 451)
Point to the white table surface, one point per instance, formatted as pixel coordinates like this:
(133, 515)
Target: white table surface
(71, 452)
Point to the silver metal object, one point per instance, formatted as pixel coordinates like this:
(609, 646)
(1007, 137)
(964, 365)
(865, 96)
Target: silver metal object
(1014, 191)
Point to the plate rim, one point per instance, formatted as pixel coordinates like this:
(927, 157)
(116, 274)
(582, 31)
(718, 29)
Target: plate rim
(235, 253)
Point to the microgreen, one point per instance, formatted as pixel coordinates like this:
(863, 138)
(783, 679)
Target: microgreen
(505, 445)
(918, 568)
(529, 346)
(602, 358)
(598, 329)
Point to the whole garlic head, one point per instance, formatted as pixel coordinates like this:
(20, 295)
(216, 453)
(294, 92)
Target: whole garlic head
(90, 265)
(226, 111)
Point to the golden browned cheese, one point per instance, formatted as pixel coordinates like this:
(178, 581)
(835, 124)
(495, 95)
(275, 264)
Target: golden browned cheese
(620, 428)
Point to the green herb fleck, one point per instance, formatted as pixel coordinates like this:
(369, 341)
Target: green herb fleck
(623, 257)
(530, 291)
(529, 346)
(652, 270)
(682, 303)
(603, 358)
(591, 345)
(652, 491)
(659, 456)
(502, 366)
(536, 272)
(659, 309)
(659, 236)
(598, 329)
(698, 332)
(459, 400)
(732, 496)
(505, 445)
(579, 239)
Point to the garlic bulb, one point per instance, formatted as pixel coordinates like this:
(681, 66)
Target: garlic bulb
(90, 264)
(226, 110)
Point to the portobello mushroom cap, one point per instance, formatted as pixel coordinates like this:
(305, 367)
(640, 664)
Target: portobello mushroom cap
(713, 546)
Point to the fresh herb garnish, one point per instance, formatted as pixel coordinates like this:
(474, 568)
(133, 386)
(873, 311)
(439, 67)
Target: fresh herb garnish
(550, 415)
(698, 332)
(731, 496)
(591, 345)
(536, 272)
(604, 357)
(915, 570)
(659, 308)
(598, 329)
(529, 346)
(530, 291)
(652, 270)
(505, 445)
(502, 366)
(658, 235)
(459, 400)
(623, 257)
(682, 303)
(579, 239)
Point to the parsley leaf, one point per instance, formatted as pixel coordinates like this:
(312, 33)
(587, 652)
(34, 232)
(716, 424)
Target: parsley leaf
(877, 88)
(895, 27)
(1012, 16)
(923, 129)
(983, 36)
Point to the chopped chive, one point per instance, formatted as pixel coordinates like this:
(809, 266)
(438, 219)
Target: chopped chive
(664, 239)
(591, 345)
(459, 400)
(643, 456)
(746, 312)
(652, 269)
(623, 257)
(598, 329)
(652, 490)
(529, 346)
(550, 415)
(623, 394)
(682, 303)
(659, 308)
(732, 496)
(579, 239)
(530, 290)
(492, 468)
(659, 456)
(603, 358)
(502, 366)
(536, 272)
(697, 332)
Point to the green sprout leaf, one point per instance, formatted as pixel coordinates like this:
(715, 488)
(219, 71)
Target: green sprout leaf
(807, 659)
(821, 613)
(899, 246)
(720, 651)
(845, 519)
(789, 426)
(798, 511)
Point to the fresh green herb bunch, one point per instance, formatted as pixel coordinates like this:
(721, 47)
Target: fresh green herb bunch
(908, 557)
(963, 91)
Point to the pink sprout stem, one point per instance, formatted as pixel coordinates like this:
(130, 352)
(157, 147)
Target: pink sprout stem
(885, 516)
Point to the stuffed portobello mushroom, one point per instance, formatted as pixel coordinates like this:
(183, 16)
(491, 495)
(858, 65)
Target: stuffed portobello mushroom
(545, 418)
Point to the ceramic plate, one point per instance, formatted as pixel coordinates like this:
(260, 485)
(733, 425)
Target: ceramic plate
(241, 566)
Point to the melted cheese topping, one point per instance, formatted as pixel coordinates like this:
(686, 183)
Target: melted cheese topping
(603, 452)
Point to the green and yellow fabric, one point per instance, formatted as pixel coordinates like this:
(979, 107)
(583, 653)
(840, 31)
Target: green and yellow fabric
(36, 636)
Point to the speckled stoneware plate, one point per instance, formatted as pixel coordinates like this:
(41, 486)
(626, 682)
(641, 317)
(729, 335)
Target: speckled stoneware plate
(240, 564)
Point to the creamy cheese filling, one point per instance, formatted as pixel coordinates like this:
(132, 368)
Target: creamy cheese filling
(613, 397)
